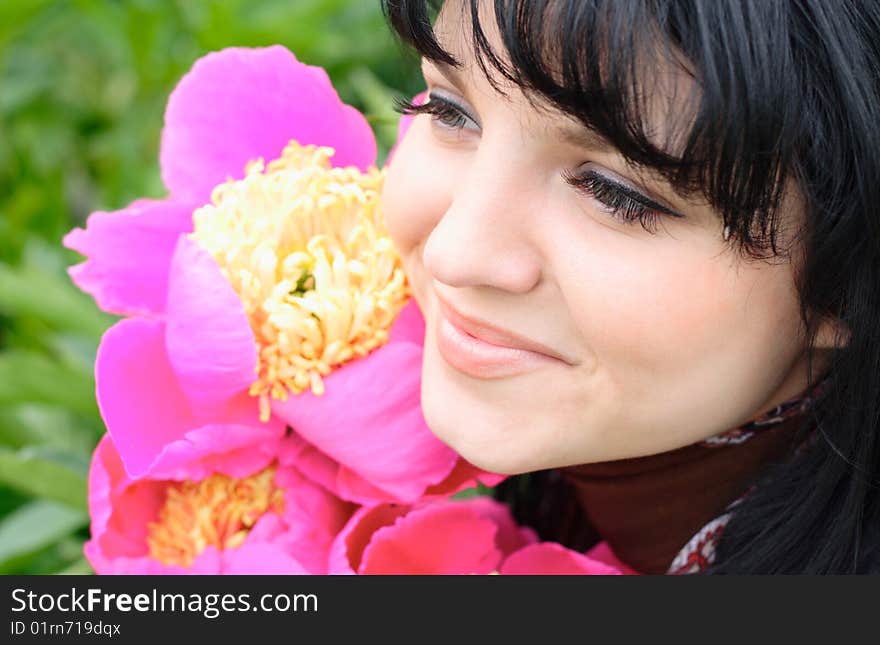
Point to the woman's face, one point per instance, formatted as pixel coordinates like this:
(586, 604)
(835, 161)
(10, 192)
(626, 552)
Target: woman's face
(659, 337)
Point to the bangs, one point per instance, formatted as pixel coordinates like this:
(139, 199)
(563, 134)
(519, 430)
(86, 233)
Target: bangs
(731, 138)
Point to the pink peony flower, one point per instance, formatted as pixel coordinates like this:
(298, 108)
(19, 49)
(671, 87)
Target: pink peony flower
(225, 499)
(477, 536)
(265, 289)
(234, 106)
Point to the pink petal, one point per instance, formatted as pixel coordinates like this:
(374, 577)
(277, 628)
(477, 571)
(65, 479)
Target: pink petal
(96, 558)
(409, 326)
(312, 517)
(465, 475)
(338, 479)
(231, 449)
(549, 558)
(317, 466)
(370, 421)
(105, 469)
(510, 537)
(440, 538)
(114, 534)
(145, 411)
(129, 254)
(312, 462)
(602, 552)
(251, 558)
(358, 148)
(341, 480)
(351, 486)
(126, 533)
(260, 558)
(138, 395)
(210, 343)
(347, 550)
(207, 563)
(239, 104)
(307, 502)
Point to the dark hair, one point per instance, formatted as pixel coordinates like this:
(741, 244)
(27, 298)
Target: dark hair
(787, 93)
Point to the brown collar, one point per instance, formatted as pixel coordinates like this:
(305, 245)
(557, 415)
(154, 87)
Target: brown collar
(647, 508)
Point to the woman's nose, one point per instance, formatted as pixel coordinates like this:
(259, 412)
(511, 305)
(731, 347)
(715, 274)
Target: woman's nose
(483, 238)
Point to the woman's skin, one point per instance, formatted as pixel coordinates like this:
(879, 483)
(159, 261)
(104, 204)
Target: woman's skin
(668, 337)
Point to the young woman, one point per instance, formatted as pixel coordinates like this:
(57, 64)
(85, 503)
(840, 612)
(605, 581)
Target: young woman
(645, 237)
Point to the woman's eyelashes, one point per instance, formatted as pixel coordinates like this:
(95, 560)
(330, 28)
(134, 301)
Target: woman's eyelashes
(445, 112)
(621, 201)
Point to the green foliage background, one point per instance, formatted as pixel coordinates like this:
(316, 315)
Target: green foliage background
(83, 86)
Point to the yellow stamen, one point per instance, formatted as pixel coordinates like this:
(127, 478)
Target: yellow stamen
(217, 511)
(305, 247)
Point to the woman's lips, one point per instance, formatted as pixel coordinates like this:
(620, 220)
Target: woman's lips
(459, 345)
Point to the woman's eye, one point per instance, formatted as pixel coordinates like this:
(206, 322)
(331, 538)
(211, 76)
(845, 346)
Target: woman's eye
(443, 111)
(621, 201)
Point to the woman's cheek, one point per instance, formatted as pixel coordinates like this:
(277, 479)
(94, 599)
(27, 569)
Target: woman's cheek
(415, 194)
(650, 310)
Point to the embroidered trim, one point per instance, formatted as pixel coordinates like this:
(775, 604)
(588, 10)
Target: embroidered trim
(699, 552)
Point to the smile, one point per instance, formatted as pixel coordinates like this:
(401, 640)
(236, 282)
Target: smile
(480, 358)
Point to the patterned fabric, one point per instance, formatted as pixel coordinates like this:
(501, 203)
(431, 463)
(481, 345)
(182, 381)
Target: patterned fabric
(699, 552)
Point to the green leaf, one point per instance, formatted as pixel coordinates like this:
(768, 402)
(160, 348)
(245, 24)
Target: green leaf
(479, 490)
(29, 377)
(13, 14)
(74, 350)
(80, 567)
(47, 473)
(46, 425)
(34, 527)
(51, 298)
(11, 499)
(467, 493)
(378, 99)
(52, 559)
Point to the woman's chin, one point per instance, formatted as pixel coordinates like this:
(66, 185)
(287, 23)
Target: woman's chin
(486, 450)
(493, 462)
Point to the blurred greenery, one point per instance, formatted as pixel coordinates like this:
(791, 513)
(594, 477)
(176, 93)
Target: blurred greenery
(83, 86)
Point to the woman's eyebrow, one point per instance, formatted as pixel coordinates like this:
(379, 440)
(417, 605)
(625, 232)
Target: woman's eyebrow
(573, 133)
(583, 137)
(447, 71)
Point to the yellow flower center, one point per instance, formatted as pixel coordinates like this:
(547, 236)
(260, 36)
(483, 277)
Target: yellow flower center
(305, 247)
(217, 511)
